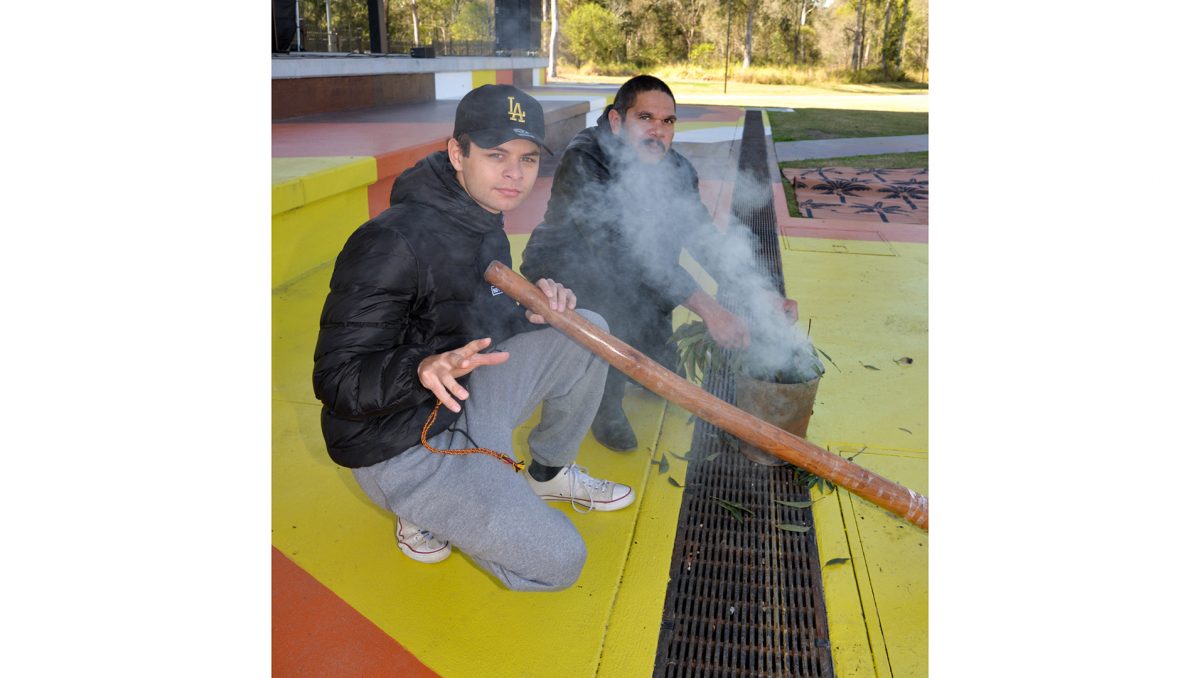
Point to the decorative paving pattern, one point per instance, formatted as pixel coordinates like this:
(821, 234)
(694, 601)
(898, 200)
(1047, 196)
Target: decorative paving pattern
(862, 194)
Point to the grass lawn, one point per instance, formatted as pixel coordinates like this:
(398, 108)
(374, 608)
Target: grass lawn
(885, 161)
(829, 123)
(907, 97)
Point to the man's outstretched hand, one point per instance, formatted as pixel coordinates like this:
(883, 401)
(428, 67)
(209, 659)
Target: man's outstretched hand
(439, 372)
(728, 330)
(560, 298)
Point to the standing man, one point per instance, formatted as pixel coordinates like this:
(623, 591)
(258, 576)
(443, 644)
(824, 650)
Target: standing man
(622, 208)
(425, 370)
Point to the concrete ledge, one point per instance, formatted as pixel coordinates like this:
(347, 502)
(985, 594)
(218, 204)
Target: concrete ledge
(313, 66)
(315, 204)
(296, 182)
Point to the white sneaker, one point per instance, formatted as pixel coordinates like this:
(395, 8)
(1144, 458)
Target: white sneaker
(419, 544)
(573, 484)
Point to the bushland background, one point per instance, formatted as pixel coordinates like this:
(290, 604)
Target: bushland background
(791, 42)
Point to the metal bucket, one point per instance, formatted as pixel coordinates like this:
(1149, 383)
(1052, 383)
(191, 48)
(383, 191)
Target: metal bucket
(788, 406)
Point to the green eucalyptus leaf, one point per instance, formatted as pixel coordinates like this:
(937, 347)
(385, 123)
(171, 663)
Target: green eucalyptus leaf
(830, 360)
(736, 509)
(795, 504)
(836, 561)
(793, 528)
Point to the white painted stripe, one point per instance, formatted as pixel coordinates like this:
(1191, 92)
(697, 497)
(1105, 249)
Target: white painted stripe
(451, 86)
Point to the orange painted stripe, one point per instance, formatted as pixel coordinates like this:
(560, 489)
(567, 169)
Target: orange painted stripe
(315, 633)
(391, 165)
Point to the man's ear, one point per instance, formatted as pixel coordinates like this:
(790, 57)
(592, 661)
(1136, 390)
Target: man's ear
(614, 121)
(455, 153)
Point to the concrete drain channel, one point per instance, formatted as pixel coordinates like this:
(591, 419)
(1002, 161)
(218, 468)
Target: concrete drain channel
(745, 598)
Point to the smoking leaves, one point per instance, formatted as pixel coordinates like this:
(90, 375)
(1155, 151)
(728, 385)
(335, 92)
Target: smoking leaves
(673, 482)
(699, 353)
(836, 561)
(663, 465)
(737, 510)
(696, 349)
(809, 480)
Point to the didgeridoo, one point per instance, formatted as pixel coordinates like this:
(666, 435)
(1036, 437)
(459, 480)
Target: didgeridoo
(791, 448)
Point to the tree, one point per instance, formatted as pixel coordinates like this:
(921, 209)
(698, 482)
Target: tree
(806, 7)
(553, 38)
(689, 16)
(593, 33)
(900, 41)
(859, 24)
(476, 22)
(885, 55)
(916, 46)
(748, 46)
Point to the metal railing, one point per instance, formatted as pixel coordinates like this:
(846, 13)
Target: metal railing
(358, 39)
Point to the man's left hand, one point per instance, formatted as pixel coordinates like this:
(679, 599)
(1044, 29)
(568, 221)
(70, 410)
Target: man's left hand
(560, 299)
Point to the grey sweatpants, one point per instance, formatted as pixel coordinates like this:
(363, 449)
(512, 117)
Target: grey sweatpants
(475, 501)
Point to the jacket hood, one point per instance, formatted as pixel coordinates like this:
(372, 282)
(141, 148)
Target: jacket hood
(432, 182)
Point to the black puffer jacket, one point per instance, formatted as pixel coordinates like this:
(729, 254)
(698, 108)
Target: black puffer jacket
(408, 284)
(614, 228)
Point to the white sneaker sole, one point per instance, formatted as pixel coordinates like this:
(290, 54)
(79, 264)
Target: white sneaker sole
(428, 557)
(613, 505)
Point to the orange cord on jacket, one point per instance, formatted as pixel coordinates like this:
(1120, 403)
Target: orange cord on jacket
(516, 464)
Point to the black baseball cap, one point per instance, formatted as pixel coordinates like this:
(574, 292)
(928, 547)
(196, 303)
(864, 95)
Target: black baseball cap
(495, 114)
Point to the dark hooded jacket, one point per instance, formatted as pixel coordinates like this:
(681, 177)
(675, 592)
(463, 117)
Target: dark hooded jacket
(408, 284)
(614, 229)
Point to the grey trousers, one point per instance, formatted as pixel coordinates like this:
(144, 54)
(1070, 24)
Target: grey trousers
(475, 501)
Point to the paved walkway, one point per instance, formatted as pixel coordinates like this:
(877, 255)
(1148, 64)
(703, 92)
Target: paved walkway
(841, 148)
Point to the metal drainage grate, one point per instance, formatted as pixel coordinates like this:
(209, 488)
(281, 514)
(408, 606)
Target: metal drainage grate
(745, 598)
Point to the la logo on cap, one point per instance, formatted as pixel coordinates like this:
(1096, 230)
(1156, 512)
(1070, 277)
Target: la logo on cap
(514, 110)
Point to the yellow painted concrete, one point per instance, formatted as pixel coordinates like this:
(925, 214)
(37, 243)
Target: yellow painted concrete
(866, 309)
(705, 124)
(877, 246)
(632, 639)
(480, 78)
(452, 616)
(315, 204)
(878, 600)
(870, 311)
